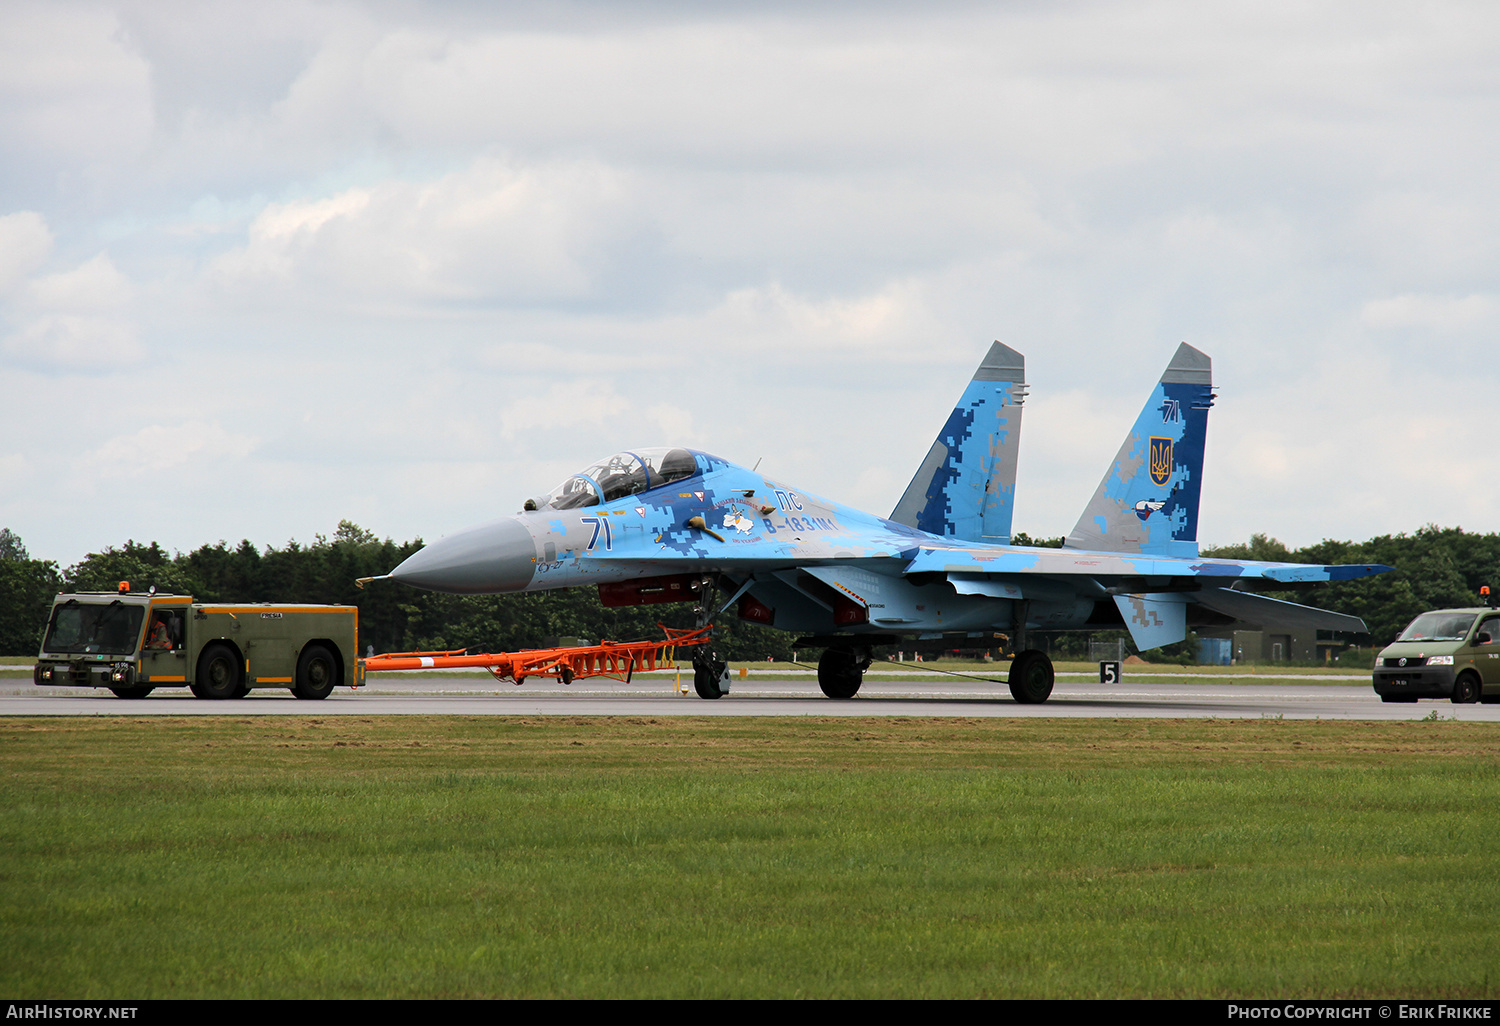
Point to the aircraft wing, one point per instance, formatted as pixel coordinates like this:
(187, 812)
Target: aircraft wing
(1153, 594)
(1105, 565)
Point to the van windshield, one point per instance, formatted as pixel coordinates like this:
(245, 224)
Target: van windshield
(1438, 627)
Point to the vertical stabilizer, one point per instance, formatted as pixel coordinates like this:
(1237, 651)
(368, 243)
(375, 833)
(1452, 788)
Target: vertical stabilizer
(966, 486)
(1148, 500)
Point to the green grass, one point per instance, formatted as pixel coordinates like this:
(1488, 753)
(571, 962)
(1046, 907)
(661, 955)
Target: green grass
(414, 857)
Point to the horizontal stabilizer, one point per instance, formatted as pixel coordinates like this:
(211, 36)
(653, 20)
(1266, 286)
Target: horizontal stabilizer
(1263, 612)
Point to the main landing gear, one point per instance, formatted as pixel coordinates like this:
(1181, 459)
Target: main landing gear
(1031, 677)
(842, 670)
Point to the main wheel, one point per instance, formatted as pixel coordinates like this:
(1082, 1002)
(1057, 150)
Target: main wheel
(220, 673)
(1031, 677)
(141, 692)
(708, 672)
(317, 673)
(840, 673)
(1466, 688)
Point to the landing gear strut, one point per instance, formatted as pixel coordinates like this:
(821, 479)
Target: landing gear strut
(710, 671)
(841, 671)
(1031, 670)
(1031, 677)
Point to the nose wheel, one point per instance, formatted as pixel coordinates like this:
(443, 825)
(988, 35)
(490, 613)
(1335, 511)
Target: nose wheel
(710, 674)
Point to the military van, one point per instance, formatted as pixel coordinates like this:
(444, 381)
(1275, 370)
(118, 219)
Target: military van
(1445, 653)
(135, 643)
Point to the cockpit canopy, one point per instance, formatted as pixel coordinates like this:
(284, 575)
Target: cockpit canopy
(624, 473)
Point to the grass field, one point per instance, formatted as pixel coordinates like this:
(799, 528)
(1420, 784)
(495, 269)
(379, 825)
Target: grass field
(413, 857)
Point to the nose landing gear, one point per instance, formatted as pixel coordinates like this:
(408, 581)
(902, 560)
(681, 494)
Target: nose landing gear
(710, 673)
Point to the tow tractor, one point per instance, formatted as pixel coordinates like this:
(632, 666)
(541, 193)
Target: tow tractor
(133, 643)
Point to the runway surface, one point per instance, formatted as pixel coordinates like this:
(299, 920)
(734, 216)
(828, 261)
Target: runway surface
(768, 696)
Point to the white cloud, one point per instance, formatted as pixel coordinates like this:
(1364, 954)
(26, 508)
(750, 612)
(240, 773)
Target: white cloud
(674, 423)
(773, 319)
(24, 243)
(1435, 313)
(94, 285)
(158, 448)
(75, 99)
(492, 231)
(80, 343)
(76, 320)
(564, 407)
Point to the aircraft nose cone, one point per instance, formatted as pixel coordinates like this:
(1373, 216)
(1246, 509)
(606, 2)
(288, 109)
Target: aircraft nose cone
(495, 557)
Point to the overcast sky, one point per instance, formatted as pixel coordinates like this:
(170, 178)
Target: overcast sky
(268, 266)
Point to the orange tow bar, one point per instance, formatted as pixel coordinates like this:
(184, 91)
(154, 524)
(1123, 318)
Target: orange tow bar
(618, 660)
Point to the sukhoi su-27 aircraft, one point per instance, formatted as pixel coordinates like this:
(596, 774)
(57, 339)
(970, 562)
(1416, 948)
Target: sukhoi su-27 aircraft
(667, 524)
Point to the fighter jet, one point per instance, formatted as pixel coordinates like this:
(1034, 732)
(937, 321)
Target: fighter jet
(669, 524)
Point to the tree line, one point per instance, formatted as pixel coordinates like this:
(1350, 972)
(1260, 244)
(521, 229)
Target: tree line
(1435, 568)
(392, 617)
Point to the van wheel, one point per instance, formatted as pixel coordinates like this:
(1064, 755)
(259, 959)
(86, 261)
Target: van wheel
(1465, 689)
(220, 674)
(317, 673)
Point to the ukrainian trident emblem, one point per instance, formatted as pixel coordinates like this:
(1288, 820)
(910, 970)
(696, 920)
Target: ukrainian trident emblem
(1161, 460)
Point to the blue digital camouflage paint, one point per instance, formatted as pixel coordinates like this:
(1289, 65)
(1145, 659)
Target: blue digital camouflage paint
(1148, 500)
(966, 486)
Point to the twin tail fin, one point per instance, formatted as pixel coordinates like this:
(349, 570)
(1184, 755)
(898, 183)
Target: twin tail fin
(965, 488)
(1148, 500)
